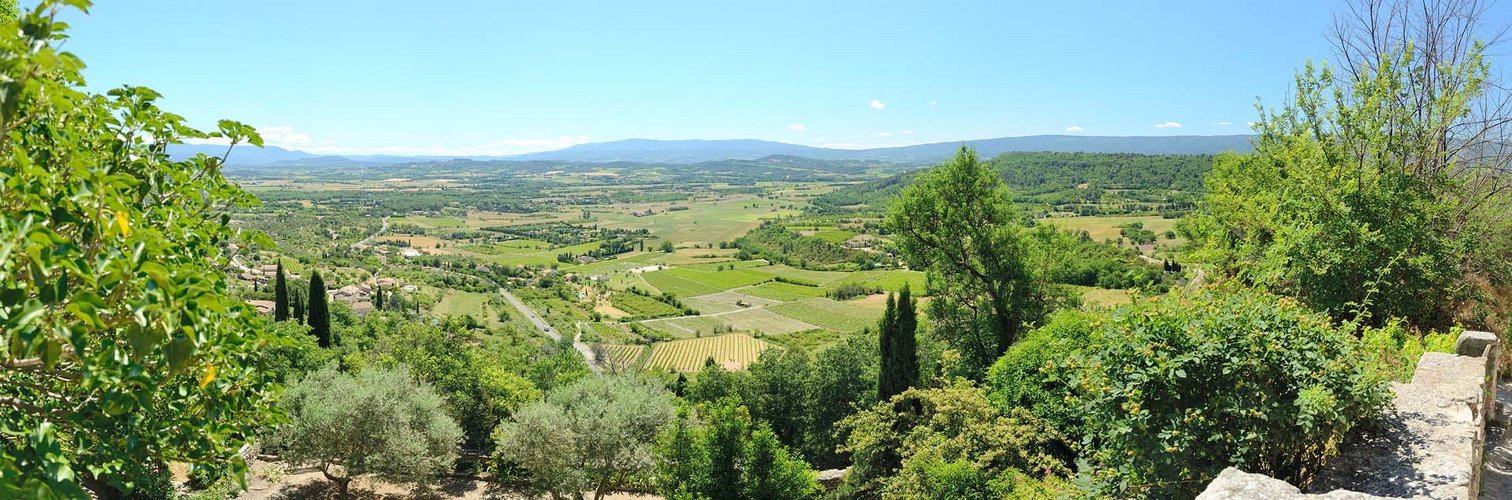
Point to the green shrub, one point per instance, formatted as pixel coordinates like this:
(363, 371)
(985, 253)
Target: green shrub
(1030, 374)
(1181, 387)
(1396, 348)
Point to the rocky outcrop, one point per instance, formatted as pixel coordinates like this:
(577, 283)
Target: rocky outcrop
(1429, 445)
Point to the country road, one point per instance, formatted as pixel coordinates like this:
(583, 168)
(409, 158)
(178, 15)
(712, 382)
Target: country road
(549, 331)
(368, 240)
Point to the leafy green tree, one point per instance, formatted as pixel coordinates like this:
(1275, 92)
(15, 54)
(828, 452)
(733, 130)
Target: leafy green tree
(1031, 375)
(898, 445)
(123, 348)
(714, 383)
(957, 222)
(776, 392)
(280, 295)
(318, 310)
(1351, 201)
(588, 436)
(381, 422)
(727, 455)
(899, 349)
(844, 380)
(294, 352)
(1180, 387)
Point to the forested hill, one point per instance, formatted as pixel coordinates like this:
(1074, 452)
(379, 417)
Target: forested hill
(1087, 183)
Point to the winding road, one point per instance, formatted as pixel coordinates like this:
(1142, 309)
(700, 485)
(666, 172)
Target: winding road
(540, 324)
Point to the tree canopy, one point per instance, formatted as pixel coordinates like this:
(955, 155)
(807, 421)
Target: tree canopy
(118, 329)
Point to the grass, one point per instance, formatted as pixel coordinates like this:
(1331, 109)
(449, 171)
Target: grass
(784, 292)
(820, 277)
(460, 303)
(808, 340)
(838, 316)
(1104, 227)
(890, 280)
(523, 252)
(833, 235)
(1102, 296)
(734, 351)
(685, 282)
(642, 306)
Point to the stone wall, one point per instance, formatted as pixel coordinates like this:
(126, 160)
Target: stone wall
(1428, 446)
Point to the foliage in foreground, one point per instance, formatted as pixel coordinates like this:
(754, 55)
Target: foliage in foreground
(728, 455)
(1177, 388)
(1341, 205)
(380, 422)
(591, 435)
(122, 347)
(939, 442)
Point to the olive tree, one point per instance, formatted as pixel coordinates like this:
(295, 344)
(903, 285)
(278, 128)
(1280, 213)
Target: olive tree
(379, 422)
(590, 435)
(122, 347)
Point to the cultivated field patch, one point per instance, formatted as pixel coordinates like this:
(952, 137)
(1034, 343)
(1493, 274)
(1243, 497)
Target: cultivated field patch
(733, 351)
(783, 292)
(621, 356)
(827, 313)
(764, 321)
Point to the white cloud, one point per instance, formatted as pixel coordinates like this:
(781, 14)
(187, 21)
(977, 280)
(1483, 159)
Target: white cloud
(1073, 129)
(885, 134)
(875, 104)
(1222, 124)
(930, 103)
(1168, 125)
(797, 127)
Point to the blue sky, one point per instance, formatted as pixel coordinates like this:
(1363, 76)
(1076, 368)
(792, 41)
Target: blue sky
(485, 77)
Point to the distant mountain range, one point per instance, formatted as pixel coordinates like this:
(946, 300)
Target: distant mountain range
(695, 151)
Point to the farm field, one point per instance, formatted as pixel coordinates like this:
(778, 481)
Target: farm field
(816, 277)
(733, 351)
(726, 301)
(889, 280)
(765, 321)
(703, 222)
(780, 291)
(1102, 296)
(642, 306)
(685, 282)
(460, 303)
(830, 314)
(689, 326)
(1104, 227)
(622, 356)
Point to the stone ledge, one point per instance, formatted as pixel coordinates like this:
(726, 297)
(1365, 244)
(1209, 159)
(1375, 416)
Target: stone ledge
(1429, 445)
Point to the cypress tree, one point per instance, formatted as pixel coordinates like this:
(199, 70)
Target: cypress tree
(378, 298)
(320, 314)
(299, 308)
(280, 295)
(906, 345)
(888, 378)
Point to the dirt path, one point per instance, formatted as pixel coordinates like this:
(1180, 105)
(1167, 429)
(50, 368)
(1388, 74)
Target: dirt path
(271, 481)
